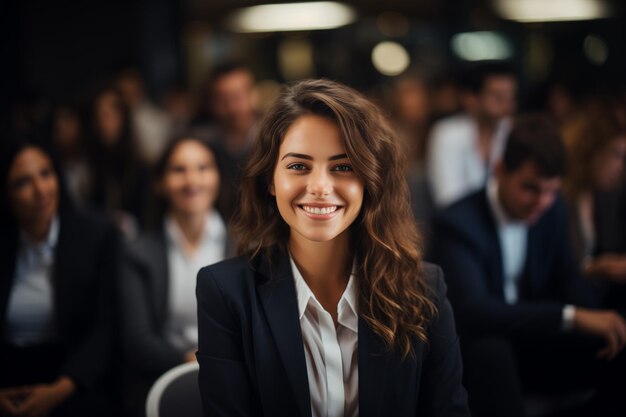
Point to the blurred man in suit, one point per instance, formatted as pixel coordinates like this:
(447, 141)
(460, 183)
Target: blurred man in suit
(525, 317)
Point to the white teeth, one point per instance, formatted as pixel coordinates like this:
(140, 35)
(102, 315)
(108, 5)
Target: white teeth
(319, 210)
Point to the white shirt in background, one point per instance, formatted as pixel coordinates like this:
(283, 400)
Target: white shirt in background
(30, 312)
(182, 326)
(454, 165)
(513, 244)
(331, 352)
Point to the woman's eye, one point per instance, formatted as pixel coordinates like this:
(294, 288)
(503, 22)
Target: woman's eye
(343, 168)
(297, 167)
(19, 183)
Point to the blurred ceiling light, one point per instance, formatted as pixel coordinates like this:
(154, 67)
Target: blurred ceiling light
(551, 10)
(596, 49)
(390, 58)
(479, 46)
(291, 16)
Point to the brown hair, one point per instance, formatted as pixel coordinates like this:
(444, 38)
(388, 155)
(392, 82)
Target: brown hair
(393, 296)
(594, 127)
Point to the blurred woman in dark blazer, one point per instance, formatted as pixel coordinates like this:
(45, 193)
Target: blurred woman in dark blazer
(57, 271)
(158, 314)
(330, 311)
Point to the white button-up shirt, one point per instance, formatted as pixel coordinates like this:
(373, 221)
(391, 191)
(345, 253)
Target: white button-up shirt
(331, 352)
(454, 165)
(182, 326)
(513, 244)
(30, 312)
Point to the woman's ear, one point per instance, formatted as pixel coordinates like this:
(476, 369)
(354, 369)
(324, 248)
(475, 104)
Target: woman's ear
(271, 189)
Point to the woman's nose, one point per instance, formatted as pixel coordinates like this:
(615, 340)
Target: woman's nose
(320, 183)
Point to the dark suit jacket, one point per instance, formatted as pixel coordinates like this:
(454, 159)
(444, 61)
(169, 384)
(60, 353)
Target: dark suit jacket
(252, 361)
(144, 304)
(85, 271)
(466, 245)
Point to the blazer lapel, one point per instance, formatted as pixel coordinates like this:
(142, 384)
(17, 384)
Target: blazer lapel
(531, 275)
(494, 250)
(8, 249)
(373, 370)
(279, 300)
(160, 271)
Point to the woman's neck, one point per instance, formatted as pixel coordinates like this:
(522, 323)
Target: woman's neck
(192, 228)
(37, 231)
(325, 266)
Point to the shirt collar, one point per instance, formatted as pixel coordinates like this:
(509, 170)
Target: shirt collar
(213, 229)
(49, 242)
(347, 312)
(502, 218)
(45, 248)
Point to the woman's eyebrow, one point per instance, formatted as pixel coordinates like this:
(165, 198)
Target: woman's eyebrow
(310, 158)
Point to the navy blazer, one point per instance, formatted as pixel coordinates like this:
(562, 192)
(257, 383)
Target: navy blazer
(252, 361)
(467, 246)
(83, 278)
(144, 306)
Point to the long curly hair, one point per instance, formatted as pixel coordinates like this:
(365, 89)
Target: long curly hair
(394, 298)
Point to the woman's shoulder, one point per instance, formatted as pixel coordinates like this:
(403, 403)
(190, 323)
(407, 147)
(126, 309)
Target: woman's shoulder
(232, 273)
(433, 277)
(88, 226)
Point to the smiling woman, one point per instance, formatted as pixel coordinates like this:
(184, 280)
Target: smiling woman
(57, 270)
(330, 310)
(158, 269)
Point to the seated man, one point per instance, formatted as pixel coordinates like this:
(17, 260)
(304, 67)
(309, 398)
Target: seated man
(523, 313)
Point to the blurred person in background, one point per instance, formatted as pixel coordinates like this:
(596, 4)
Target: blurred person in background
(68, 138)
(527, 320)
(463, 149)
(158, 308)
(120, 177)
(596, 145)
(58, 268)
(152, 125)
(180, 105)
(411, 114)
(231, 104)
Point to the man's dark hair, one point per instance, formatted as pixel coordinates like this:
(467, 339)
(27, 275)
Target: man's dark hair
(534, 138)
(474, 78)
(226, 68)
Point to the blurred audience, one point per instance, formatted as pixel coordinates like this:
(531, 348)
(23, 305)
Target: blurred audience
(463, 148)
(410, 105)
(180, 105)
(526, 319)
(231, 104)
(411, 112)
(596, 145)
(152, 126)
(158, 307)
(58, 268)
(120, 178)
(67, 134)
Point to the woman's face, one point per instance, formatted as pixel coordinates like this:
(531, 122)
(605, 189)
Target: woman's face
(191, 180)
(109, 118)
(608, 164)
(33, 187)
(317, 192)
